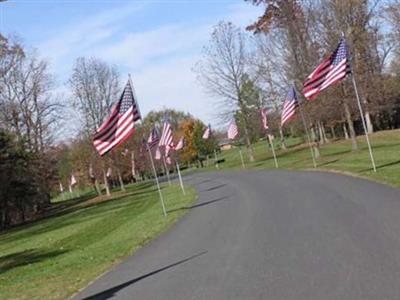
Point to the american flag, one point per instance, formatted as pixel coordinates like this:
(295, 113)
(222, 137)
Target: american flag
(264, 118)
(290, 106)
(120, 124)
(232, 130)
(166, 136)
(154, 137)
(180, 144)
(207, 133)
(158, 154)
(329, 72)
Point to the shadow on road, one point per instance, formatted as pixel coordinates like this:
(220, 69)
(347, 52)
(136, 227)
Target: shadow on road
(213, 188)
(199, 204)
(111, 292)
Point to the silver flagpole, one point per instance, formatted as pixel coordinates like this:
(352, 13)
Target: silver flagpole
(156, 177)
(308, 136)
(166, 170)
(216, 159)
(180, 178)
(273, 150)
(241, 158)
(363, 121)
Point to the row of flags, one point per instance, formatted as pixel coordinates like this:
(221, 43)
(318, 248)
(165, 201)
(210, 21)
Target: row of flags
(120, 124)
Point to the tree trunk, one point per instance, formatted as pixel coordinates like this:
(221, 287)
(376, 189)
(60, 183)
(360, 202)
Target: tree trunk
(121, 182)
(333, 133)
(106, 183)
(248, 144)
(370, 126)
(283, 145)
(315, 144)
(320, 133)
(354, 145)
(97, 187)
(346, 134)
(324, 133)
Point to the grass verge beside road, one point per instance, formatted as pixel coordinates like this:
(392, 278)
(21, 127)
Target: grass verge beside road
(335, 155)
(55, 257)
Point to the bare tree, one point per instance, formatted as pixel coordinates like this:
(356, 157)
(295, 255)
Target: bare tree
(28, 107)
(222, 69)
(95, 87)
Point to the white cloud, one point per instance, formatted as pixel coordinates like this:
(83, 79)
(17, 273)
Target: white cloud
(160, 59)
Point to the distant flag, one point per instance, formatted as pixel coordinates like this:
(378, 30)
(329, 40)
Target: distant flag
(154, 137)
(264, 118)
(330, 71)
(166, 136)
(232, 130)
(207, 132)
(109, 172)
(180, 144)
(158, 154)
(73, 180)
(290, 106)
(120, 124)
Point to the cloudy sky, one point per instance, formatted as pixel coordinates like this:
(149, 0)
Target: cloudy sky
(158, 42)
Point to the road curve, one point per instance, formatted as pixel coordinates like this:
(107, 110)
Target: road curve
(270, 235)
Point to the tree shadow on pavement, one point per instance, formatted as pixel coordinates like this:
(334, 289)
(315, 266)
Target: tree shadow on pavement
(112, 291)
(199, 204)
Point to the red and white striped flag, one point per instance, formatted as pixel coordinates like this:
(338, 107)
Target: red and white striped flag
(120, 124)
(207, 133)
(166, 136)
(158, 154)
(180, 144)
(154, 137)
(290, 106)
(264, 118)
(330, 71)
(232, 130)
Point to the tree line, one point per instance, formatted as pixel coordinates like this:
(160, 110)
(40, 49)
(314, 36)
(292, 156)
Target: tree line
(245, 69)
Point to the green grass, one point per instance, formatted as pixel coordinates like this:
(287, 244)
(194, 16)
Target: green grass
(55, 257)
(334, 156)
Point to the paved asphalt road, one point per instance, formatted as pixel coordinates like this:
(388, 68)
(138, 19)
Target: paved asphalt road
(270, 235)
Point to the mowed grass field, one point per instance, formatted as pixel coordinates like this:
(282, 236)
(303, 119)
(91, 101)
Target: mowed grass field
(55, 257)
(336, 155)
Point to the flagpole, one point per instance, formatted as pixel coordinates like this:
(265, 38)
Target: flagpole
(216, 159)
(166, 170)
(363, 122)
(273, 150)
(156, 177)
(241, 157)
(180, 178)
(308, 136)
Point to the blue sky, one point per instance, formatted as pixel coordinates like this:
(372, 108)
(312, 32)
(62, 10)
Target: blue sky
(158, 42)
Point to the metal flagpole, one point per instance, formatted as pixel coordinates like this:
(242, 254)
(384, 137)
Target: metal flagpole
(180, 178)
(308, 136)
(273, 150)
(241, 158)
(216, 159)
(166, 170)
(363, 121)
(156, 177)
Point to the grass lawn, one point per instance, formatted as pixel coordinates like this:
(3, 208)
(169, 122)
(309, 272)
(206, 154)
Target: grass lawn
(55, 257)
(334, 156)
